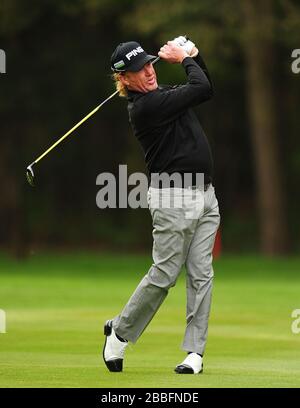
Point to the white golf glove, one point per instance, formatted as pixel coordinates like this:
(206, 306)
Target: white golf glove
(186, 44)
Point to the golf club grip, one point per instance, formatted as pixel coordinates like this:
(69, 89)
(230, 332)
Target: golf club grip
(156, 60)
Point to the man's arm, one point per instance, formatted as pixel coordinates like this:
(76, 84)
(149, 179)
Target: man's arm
(173, 53)
(161, 107)
(191, 49)
(197, 58)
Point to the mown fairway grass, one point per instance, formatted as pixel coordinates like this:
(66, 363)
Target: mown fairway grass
(56, 306)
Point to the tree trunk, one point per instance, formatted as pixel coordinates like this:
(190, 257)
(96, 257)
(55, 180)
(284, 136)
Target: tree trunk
(259, 57)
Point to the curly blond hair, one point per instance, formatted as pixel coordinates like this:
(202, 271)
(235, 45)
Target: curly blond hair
(119, 85)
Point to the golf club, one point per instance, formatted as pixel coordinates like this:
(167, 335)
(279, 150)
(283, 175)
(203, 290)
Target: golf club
(29, 170)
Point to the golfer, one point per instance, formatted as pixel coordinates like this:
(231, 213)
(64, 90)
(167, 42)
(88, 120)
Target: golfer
(173, 143)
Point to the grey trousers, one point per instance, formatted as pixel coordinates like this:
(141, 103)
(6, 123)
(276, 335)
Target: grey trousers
(181, 236)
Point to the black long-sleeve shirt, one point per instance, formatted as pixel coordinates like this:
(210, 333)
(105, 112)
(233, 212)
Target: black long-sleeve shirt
(167, 128)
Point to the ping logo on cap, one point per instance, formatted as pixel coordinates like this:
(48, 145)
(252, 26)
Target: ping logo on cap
(134, 52)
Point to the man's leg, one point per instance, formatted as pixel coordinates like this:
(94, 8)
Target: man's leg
(171, 240)
(200, 276)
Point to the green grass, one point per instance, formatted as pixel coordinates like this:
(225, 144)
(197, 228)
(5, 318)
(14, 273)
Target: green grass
(56, 306)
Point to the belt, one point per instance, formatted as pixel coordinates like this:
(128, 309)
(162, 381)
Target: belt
(193, 183)
(206, 187)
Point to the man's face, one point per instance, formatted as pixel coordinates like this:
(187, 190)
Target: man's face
(141, 81)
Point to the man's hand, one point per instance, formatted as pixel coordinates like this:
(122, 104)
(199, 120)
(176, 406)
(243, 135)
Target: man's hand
(173, 53)
(187, 45)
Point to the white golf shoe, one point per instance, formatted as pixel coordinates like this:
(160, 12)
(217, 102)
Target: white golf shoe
(113, 350)
(192, 364)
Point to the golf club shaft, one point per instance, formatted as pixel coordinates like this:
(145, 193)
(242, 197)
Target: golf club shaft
(74, 127)
(78, 124)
